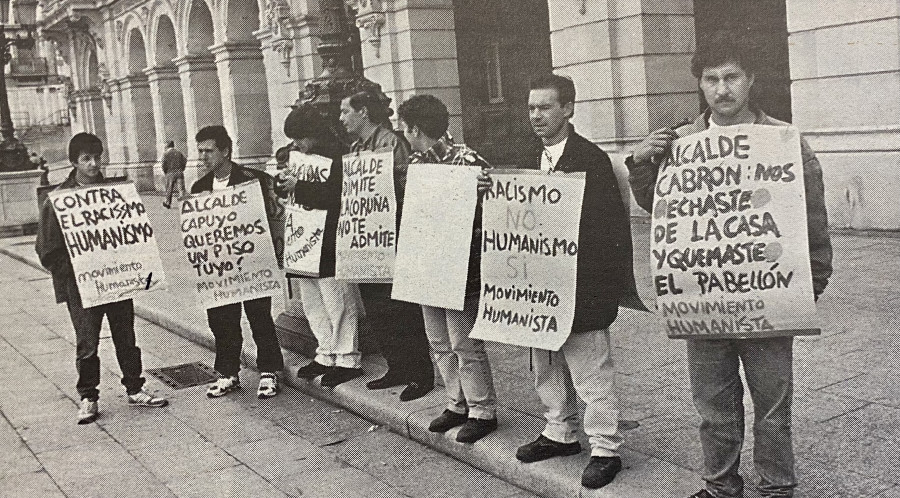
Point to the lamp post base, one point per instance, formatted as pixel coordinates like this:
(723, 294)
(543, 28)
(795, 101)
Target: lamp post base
(14, 156)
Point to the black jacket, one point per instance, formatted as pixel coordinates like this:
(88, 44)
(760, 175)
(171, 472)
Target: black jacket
(604, 239)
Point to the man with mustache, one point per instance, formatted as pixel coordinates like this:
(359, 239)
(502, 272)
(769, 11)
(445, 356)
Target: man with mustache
(725, 69)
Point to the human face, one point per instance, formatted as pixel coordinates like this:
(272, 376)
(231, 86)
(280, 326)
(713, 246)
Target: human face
(726, 89)
(549, 118)
(303, 144)
(87, 168)
(414, 136)
(354, 121)
(214, 158)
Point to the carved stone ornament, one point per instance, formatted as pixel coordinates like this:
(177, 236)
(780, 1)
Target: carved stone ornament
(370, 18)
(278, 14)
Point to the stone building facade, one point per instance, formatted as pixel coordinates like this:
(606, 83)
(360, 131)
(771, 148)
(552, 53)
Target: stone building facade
(148, 71)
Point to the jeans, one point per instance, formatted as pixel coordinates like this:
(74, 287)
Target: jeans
(174, 181)
(718, 395)
(399, 330)
(330, 307)
(87, 324)
(461, 361)
(582, 366)
(225, 323)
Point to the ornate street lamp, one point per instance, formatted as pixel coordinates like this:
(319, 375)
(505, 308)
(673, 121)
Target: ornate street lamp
(13, 155)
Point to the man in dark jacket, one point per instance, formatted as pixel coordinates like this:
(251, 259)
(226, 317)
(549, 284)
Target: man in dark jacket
(583, 366)
(173, 165)
(214, 146)
(725, 69)
(85, 150)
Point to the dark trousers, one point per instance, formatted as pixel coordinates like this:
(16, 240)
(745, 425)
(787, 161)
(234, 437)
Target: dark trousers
(87, 323)
(174, 186)
(225, 323)
(399, 330)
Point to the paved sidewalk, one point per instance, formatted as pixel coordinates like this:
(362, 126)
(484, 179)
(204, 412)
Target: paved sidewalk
(240, 446)
(846, 410)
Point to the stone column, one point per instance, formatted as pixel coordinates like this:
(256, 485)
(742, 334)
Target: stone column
(845, 98)
(140, 134)
(245, 102)
(200, 91)
(168, 112)
(409, 47)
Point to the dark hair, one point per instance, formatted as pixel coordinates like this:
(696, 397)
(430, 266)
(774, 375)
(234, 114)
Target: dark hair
(378, 111)
(563, 85)
(723, 47)
(84, 143)
(427, 112)
(217, 133)
(305, 121)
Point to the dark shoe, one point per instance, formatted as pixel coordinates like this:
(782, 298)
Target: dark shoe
(389, 380)
(167, 206)
(414, 390)
(702, 494)
(447, 420)
(339, 375)
(600, 471)
(543, 448)
(312, 370)
(475, 429)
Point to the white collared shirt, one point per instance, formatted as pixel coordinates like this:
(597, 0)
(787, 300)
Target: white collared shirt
(551, 154)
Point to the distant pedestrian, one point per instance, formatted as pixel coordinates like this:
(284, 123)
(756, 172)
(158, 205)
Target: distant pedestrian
(214, 146)
(461, 361)
(85, 150)
(397, 326)
(725, 67)
(173, 165)
(330, 305)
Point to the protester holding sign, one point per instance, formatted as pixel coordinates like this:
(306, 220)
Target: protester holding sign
(397, 325)
(583, 365)
(461, 361)
(329, 304)
(52, 248)
(214, 146)
(725, 67)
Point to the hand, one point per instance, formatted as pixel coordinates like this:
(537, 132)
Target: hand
(484, 182)
(286, 182)
(655, 144)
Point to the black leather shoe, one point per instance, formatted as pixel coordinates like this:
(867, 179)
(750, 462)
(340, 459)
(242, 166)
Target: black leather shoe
(447, 420)
(475, 429)
(543, 448)
(339, 375)
(600, 471)
(388, 380)
(414, 390)
(312, 370)
(702, 494)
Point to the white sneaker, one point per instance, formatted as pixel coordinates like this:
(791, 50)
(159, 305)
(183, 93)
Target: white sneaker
(223, 386)
(87, 411)
(268, 385)
(143, 398)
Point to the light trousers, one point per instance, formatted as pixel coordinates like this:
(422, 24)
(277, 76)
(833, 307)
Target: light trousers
(330, 307)
(582, 367)
(461, 361)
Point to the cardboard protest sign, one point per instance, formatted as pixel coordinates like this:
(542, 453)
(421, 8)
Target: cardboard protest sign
(433, 256)
(303, 232)
(227, 241)
(729, 245)
(308, 168)
(367, 226)
(110, 242)
(529, 258)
